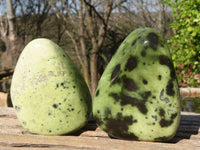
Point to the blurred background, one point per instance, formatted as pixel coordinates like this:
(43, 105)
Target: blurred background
(90, 32)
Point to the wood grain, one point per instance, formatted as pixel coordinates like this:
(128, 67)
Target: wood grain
(14, 137)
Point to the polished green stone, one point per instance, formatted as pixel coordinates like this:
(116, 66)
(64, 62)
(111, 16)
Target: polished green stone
(137, 97)
(48, 92)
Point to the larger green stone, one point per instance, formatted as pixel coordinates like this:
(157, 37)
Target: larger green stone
(137, 96)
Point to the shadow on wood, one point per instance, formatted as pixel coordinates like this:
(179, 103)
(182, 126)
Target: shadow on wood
(189, 125)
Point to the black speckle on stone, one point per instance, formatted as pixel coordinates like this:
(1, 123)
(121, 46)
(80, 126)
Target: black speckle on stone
(162, 112)
(170, 105)
(122, 109)
(164, 60)
(72, 109)
(57, 85)
(63, 85)
(153, 39)
(42, 124)
(17, 108)
(129, 84)
(145, 82)
(115, 73)
(154, 97)
(74, 86)
(24, 122)
(153, 123)
(143, 54)
(63, 55)
(60, 120)
(55, 106)
(169, 88)
(49, 114)
(159, 77)
(119, 126)
(144, 63)
(131, 63)
(146, 117)
(98, 111)
(50, 131)
(97, 93)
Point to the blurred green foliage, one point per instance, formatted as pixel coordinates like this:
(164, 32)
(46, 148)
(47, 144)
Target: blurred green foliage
(185, 43)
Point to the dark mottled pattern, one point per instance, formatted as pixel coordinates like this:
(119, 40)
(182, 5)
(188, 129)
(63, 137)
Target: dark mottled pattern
(143, 54)
(128, 100)
(119, 127)
(115, 96)
(107, 111)
(146, 94)
(166, 123)
(162, 112)
(98, 121)
(115, 73)
(140, 104)
(97, 93)
(165, 99)
(173, 116)
(131, 63)
(169, 88)
(153, 38)
(129, 84)
(159, 77)
(145, 82)
(133, 43)
(164, 60)
(155, 117)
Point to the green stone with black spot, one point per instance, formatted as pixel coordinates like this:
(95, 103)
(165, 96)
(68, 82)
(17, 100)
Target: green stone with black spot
(48, 92)
(137, 97)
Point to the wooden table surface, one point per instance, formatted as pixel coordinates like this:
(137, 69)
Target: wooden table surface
(14, 137)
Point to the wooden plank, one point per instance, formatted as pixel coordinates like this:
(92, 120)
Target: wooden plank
(190, 92)
(13, 136)
(78, 142)
(3, 99)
